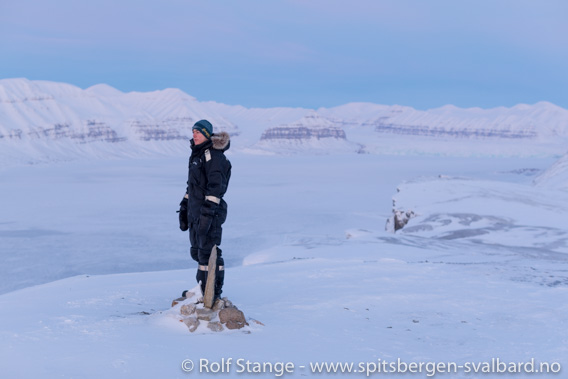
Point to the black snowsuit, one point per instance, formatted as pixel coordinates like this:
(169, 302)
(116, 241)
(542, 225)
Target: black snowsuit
(208, 178)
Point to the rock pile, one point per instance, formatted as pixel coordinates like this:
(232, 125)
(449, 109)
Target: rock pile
(223, 315)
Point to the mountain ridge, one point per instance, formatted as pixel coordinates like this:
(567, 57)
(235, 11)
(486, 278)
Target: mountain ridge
(36, 110)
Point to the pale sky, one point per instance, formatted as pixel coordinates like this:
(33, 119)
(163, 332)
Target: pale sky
(304, 53)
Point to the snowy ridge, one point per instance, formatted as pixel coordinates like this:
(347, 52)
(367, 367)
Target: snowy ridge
(539, 129)
(508, 214)
(556, 176)
(43, 121)
(541, 120)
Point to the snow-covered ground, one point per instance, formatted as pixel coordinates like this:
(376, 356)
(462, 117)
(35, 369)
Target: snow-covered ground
(92, 257)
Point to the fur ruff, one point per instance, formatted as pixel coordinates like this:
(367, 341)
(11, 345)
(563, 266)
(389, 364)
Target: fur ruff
(220, 140)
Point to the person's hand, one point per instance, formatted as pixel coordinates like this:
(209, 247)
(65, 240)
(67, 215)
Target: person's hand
(183, 222)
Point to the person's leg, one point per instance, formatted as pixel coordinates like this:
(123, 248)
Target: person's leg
(201, 275)
(213, 238)
(193, 250)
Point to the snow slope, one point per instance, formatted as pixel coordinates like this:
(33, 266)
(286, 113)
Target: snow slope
(511, 216)
(407, 303)
(556, 176)
(307, 255)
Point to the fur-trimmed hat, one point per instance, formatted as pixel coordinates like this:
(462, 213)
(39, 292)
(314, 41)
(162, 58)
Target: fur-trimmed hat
(204, 127)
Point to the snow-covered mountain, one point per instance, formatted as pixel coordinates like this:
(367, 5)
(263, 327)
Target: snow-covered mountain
(539, 121)
(312, 132)
(42, 120)
(539, 129)
(556, 175)
(45, 120)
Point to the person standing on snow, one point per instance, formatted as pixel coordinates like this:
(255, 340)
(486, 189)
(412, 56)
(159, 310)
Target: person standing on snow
(203, 210)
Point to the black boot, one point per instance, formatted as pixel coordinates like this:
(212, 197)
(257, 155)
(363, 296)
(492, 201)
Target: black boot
(201, 277)
(219, 278)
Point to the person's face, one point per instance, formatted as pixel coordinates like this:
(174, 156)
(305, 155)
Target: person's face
(198, 138)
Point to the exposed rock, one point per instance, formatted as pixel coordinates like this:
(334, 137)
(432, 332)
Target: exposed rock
(215, 326)
(223, 316)
(188, 309)
(90, 131)
(177, 301)
(302, 133)
(233, 318)
(188, 294)
(312, 126)
(192, 323)
(398, 220)
(205, 314)
(401, 218)
(13, 134)
(219, 304)
(256, 321)
(384, 125)
(156, 131)
(235, 324)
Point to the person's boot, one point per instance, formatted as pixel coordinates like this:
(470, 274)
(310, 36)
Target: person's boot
(219, 278)
(201, 278)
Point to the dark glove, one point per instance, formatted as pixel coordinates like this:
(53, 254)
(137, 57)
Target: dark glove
(183, 222)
